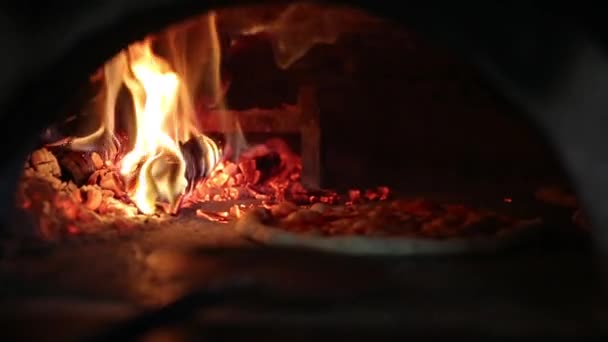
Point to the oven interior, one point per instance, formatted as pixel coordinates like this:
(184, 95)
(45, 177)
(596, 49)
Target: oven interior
(354, 104)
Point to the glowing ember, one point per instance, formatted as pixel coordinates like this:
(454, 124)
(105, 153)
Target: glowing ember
(218, 216)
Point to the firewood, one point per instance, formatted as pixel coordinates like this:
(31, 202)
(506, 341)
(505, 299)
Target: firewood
(268, 165)
(78, 166)
(95, 178)
(195, 152)
(239, 179)
(43, 161)
(248, 169)
(109, 181)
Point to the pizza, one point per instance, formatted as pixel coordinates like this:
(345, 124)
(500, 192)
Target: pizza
(395, 227)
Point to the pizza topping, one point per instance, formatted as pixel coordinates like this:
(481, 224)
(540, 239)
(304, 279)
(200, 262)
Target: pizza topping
(303, 216)
(402, 217)
(320, 208)
(283, 209)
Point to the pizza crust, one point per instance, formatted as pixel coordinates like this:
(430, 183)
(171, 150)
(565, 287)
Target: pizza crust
(252, 227)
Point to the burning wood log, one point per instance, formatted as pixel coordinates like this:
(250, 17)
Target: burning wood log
(249, 171)
(78, 165)
(201, 156)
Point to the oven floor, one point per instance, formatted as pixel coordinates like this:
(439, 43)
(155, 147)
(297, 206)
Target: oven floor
(86, 286)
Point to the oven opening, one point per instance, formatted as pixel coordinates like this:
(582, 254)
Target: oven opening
(322, 121)
(363, 179)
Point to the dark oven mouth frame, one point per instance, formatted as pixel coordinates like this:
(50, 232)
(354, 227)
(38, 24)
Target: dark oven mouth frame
(524, 59)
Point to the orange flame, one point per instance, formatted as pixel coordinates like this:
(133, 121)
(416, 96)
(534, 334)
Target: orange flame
(164, 115)
(161, 91)
(154, 88)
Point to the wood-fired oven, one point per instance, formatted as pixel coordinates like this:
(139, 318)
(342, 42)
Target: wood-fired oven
(271, 170)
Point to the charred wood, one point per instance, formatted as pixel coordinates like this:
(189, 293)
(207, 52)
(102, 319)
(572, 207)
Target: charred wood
(77, 166)
(195, 152)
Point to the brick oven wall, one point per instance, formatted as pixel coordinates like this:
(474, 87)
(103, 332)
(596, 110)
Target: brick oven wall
(397, 111)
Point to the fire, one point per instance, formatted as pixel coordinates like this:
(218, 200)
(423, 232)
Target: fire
(156, 157)
(155, 167)
(138, 148)
(163, 80)
(163, 159)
